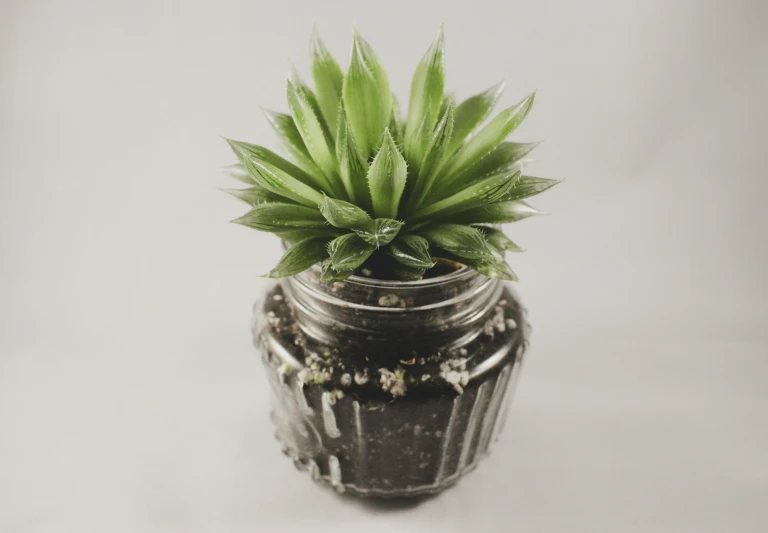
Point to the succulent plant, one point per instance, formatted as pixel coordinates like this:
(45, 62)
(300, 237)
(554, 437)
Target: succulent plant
(366, 189)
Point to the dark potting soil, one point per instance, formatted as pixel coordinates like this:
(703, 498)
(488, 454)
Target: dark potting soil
(395, 428)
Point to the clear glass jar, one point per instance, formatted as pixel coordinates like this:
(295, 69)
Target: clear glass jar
(387, 388)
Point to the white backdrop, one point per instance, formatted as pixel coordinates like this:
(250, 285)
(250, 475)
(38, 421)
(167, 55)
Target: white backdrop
(130, 397)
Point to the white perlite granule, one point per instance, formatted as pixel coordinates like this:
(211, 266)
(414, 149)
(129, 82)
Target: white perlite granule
(335, 395)
(315, 372)
(389, 300)
(498, 319)
(304, 374)
(273, 320)
(454, 372)
(361, 379)
(393, 382)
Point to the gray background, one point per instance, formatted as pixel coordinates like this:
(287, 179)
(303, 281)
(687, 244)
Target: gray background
(130, 397)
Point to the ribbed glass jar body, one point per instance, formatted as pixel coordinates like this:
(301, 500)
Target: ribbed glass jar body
(386, 388)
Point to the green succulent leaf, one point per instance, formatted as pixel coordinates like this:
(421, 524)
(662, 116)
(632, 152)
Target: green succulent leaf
(396, 124)
(367, 97)
(499, 269)
(488, 138)
(493, 267)
(434, 158)
(481, 193)
(436, 150)
(277, 216)
(300, 257)
(407, 273)
(386, 179)
(343, 214)
(463, 241)
(379, 232)
(328, 79)
(472, 112)
(291, 139)
(419, 141)
(268, 156)
(528, 186)
(298, 235)
(499, 240)
(496, 213)
(504, 158)
(306, 92)
(255, 195)
(448, 100)
(275, 174)
(426, 97)
(348, 252)
(353, 167)
(411, 251)
(395, 130)
(314, 135)
(239, 172)
(329, 275)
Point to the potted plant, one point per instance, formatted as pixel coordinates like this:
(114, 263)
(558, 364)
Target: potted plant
(392, 345)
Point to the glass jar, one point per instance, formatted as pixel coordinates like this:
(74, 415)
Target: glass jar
(388, 388)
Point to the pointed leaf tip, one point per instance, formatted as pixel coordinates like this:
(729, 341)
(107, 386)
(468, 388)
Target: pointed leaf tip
(276, 174)
(380, 232)
(299, 258)
(489, 137)
(276, 216)
(328, 79)
(313, 132)
(411, 251)
(463, 241)
(426, 96)
(472, 112)
(348, 252)
(343, 214)
(529, 186)
(367, 96)
(386, 178)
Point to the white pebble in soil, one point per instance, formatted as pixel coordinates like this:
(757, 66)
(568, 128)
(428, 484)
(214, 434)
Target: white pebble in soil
(498, 319)
(454, 372)
(393, 382)
(361, 378)
(389, 300)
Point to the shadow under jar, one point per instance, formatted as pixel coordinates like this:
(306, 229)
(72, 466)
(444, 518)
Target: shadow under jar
(388, 388)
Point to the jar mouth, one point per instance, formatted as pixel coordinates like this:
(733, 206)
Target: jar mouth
(363, 281)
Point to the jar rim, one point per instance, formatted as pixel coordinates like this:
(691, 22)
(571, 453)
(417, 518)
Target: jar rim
(406, 284)
(458, 274)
